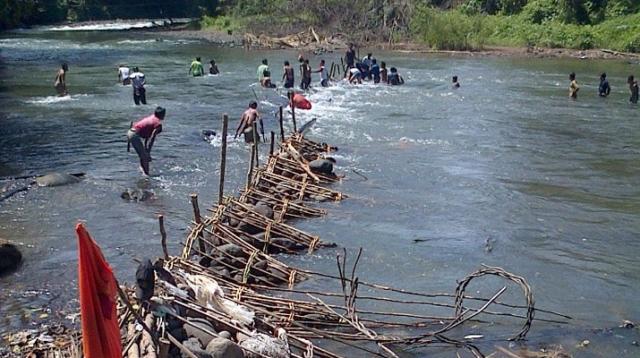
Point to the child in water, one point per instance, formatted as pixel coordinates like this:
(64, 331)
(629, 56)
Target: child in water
(573, 86)
(60, 83)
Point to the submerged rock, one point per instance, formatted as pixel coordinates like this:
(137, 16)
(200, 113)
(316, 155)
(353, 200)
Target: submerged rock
(57, 179)
(136, 195)
(197, 332)
(10, 258)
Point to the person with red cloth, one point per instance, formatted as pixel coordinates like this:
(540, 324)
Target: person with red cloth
(298, 101)
(147, 128)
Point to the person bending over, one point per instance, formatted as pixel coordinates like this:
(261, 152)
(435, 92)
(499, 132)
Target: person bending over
(146, 129)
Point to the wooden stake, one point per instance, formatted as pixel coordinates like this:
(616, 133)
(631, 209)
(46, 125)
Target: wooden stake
(198, 219)
(293, 118)
(273, 143)
(250, 172)
(223, 156)
(281, 126)
(256, 142)
(163, 235)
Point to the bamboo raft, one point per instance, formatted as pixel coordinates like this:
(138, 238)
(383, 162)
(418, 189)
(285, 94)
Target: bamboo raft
(227, 286)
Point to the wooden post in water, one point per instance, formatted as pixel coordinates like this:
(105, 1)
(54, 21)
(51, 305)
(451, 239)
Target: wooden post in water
(198, 219)
(256, 141)
(163, 236)
(293, 118)
(223, 156)
(250, 171)
(273, 143)
(281, 126)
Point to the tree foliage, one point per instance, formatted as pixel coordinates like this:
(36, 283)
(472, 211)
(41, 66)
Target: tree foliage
(15, 13)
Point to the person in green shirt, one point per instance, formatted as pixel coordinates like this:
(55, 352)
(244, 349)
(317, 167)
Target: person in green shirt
(263, 67)
(196, 68)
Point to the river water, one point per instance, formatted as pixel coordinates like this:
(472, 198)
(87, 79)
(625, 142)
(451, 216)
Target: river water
(433, 174)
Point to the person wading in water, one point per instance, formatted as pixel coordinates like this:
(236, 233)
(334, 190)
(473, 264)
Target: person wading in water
(147, 128)
(287, 76)
(573, 86)
(633, 89)
(196, 68)
(138, 82)
(247, 120)
(61, 80)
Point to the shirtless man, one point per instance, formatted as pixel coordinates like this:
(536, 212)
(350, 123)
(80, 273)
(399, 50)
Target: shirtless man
(573, 86)
(247, 120)
(61, 80)
(287, 76)
(306, 75)
(633, 89)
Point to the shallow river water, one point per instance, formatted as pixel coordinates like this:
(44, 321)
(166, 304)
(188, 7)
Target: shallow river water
(433, 174)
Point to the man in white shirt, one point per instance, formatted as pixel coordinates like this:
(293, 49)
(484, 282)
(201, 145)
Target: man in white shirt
(123, 75)
(138, 81)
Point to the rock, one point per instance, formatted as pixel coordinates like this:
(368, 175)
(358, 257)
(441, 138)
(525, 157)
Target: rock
(264, 209)
(288, 244)
(194, 346)
(248, 228)
(230, 249)
(322, 166)
(57, 179)
(10, 258)
(137, 195)
(224, 334)
(194, 332)
(224, 348)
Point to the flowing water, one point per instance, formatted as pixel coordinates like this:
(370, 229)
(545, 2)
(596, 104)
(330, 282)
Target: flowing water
(505, 171)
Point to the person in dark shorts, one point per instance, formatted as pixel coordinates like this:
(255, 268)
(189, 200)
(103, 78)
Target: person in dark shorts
(249, 117)
(604, 89)
(350, 57)
(146, 129)
(306, 75)
(287, 76)
(137, 82)
(633, 89)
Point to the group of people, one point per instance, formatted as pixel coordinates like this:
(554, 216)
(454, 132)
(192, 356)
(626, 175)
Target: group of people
(196, 69)
(369, 69)
(604, 89)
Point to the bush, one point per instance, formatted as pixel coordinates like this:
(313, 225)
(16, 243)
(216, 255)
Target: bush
(448, 30)
(539, 11)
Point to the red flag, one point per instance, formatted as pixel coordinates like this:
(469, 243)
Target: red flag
(98, 290)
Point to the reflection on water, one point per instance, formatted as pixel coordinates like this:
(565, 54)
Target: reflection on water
(552, 182)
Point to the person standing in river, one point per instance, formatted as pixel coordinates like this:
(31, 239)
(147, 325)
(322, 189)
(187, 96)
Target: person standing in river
(263, 67)
(123, 75)
(324, 75)
(147, 128)
(213, 68)
(454, 82)
(288, 75)
(604, 89)
(247, 120)
(384, 73)
(375, 71)
(138, 82)
(573, 86)
(633, 89)
(350, 57)
(196, 68)
(60, 83)
(306, 75)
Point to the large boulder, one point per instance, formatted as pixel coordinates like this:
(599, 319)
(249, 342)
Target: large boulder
(264, 209)
(57, 179)
(194, 346)
(322, 166)
(10, 258)
(196, 330)
(224, 348)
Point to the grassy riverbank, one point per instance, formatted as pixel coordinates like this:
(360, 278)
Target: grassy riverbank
(469, 26)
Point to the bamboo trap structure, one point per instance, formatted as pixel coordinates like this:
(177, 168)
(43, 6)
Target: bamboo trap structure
(283, 208)
(290, 188)
(284, 166)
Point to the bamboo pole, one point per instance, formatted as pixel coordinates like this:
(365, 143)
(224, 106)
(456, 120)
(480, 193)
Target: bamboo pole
(198, 218)
(256, 142)
(273, 143)
(293, 117)
(223, 156)
(163, 235)
(281, 126)
(250, 171)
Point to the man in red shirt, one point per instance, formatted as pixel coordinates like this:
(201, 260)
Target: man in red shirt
(298, 101)
(147, 128)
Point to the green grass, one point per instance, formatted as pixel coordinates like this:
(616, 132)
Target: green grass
(456, 30)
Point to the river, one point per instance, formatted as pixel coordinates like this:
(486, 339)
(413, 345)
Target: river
(505, 171)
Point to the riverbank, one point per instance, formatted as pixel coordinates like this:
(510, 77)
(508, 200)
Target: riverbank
(239, 39)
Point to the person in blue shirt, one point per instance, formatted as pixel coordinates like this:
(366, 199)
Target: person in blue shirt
(375, 71)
